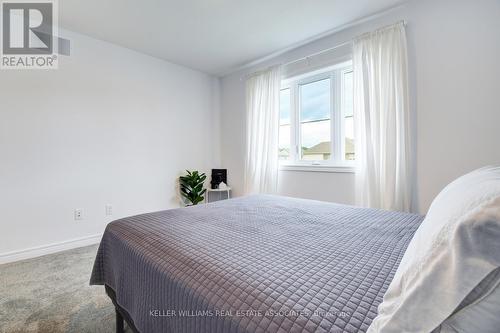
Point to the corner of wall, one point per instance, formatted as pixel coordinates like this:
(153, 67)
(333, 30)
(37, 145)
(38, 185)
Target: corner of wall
(215, 125)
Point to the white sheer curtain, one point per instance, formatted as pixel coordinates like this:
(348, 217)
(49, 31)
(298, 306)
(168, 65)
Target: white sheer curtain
(381, 110)
(262, 104)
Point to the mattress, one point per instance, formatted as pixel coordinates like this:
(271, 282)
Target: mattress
(254, 264)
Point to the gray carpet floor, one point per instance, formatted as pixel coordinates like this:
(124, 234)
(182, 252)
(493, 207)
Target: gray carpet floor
(51, 294)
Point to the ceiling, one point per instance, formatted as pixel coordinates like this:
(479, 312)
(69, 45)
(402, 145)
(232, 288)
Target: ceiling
(214, 36)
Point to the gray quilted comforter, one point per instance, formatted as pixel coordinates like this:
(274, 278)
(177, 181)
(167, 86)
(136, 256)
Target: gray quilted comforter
(254, 264)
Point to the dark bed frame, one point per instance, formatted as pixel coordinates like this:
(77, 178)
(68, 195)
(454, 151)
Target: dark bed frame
(122, 315)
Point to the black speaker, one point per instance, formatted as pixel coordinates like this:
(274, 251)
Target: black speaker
(218, 176)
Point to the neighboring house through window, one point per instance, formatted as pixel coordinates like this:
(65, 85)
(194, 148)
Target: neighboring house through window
(316, 118)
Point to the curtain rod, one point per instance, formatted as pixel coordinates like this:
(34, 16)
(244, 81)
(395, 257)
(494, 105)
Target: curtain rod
(296, 60)
(317, 53)
(247, 76)
(338, 45)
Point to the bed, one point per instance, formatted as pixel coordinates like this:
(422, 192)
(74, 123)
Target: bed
(252, 264)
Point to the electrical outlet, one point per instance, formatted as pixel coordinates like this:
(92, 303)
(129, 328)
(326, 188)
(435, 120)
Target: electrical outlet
(109, 210)
(78, 214)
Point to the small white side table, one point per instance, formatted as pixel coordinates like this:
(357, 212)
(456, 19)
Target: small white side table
(218, 193)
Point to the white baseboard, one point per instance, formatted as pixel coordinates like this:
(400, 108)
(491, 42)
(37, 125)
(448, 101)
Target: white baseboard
(49, 248)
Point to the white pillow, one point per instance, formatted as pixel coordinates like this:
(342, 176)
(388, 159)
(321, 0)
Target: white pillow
(453, 250)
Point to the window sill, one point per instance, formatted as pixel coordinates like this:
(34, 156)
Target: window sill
(318, 168)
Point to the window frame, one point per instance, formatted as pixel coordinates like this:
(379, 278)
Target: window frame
(336, 163)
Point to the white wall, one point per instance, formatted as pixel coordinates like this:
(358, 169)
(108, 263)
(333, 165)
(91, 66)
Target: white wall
(454, 52)
(110, 126)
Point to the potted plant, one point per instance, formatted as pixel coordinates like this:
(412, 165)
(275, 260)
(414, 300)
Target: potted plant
(192, 187)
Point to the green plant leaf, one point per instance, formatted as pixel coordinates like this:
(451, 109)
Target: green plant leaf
(191, 186)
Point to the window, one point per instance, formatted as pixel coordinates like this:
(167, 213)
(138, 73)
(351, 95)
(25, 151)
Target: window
(347, 113)
(316, 118)
(284, 135)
